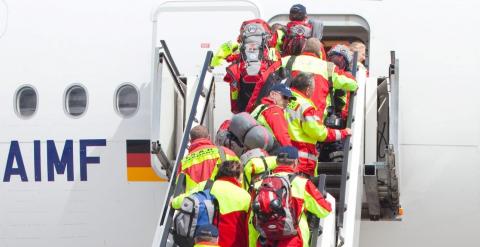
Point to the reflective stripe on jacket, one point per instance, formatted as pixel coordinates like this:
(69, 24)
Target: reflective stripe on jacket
(201, 162)
(273, 117)
(234, 204)
(306, 128)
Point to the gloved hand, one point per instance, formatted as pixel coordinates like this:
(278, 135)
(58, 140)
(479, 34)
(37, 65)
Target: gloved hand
(223, 52)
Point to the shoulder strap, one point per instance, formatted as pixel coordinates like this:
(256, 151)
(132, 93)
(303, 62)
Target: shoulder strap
(208, 185)
(221, 152)
(265, 165)
(289, 66)
(262, 108)
(291, 177)
(330, 68)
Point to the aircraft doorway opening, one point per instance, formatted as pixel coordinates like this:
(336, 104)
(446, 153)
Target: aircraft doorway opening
(338, 29)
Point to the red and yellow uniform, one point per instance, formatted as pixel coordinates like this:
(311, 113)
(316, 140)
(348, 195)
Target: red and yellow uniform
(272, 117)
(202, 161)
(311, 63)
(306, 198)
(234, 204)
(306, 128)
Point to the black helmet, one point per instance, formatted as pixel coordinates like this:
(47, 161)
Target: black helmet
(298, 12)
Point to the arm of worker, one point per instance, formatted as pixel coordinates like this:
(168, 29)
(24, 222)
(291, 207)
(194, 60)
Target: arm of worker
(280, 33)
(177, 201)
(275, 117)
(343, 80)
(314, 201)
(225, 50)
(314, 127)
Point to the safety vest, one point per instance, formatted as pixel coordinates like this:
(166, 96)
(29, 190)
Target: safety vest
(256, 166)
(257, 114)
(202, 164)
(304, 127)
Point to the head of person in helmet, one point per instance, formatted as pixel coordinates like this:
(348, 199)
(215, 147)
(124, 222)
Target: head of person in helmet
(341, 56)
(287, 156)
(298, 12)
(281, 95)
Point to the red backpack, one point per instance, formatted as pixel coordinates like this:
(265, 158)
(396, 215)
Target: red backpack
(274, 215)
(249, 66)
(297, 34)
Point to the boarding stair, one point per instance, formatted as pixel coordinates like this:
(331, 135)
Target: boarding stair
(341, 182)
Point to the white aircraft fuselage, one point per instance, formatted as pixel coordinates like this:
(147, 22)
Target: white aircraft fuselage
(88, 179)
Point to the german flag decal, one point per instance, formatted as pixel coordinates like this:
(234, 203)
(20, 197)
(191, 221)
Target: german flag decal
(139, 166)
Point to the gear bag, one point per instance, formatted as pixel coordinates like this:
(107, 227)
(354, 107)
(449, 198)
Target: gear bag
(197, 209)
(297, 34)
(274, 215)
(255, 39)
(250, 133)
(227, 139)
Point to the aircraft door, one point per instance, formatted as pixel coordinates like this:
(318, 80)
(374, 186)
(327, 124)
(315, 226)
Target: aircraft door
(189, 29)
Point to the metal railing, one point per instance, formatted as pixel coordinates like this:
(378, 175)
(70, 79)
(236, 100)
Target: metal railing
(176, 185)
(346, 150)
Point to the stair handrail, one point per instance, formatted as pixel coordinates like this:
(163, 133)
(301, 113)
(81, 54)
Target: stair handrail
(175, 184)
(346, 151)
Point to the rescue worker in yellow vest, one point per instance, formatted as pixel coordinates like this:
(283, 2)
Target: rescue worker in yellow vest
(233, 203)
(306, 198)
(206, 236)
(305, 125)
(203, 158)
(271, 114)
(309, 61)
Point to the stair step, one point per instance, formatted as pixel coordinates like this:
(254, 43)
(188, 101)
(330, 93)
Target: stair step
(329, 168)
(335, 192)
(333, 181)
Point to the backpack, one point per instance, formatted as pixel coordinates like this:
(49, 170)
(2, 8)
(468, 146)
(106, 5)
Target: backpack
(274, 215)
(297, 34)
(255, 39)
(197, 209)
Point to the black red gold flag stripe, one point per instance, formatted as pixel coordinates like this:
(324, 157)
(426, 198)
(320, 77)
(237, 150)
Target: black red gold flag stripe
(139, 165)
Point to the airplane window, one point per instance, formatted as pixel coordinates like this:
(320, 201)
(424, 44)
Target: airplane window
(76, 100)
(126, 102)
(26, 102)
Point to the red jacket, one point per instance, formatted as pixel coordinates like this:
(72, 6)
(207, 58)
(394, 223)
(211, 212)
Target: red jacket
(306, 198)
(274, 117)
(201, 162)
(234, 205)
